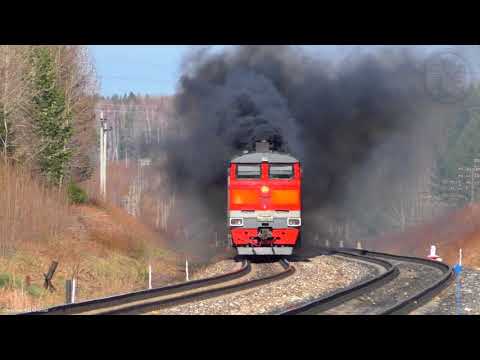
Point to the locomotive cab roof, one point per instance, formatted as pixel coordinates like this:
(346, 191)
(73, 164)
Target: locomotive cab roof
(259, 157)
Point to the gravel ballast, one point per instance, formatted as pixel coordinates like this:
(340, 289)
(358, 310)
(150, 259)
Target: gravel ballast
(215, 269)
(460, 298)
(314, 277)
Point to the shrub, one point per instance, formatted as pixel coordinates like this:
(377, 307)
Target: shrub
(4, 280)
(76, 194)
(7, 280)
(35, 290)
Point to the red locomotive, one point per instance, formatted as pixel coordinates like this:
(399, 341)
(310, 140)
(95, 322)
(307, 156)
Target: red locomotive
(264, 202)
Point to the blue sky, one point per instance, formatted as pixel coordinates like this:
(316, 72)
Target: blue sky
(141, 69)
(153, 69)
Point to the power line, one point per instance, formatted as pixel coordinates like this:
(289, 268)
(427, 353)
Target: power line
(128, 111)
(137, 79)
(131, 108)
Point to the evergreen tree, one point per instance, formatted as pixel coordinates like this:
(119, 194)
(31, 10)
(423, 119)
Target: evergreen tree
(53, 122)
(131, 97)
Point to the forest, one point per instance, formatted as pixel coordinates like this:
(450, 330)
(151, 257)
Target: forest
(49, 115)
(47, 137)
(443, 181)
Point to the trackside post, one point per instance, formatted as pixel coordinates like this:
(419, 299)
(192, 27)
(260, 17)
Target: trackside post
(150, 277)
(458, 284)
(70, 286)
(433, 254)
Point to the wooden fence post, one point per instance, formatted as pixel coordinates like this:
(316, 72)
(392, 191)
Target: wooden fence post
(49, 275)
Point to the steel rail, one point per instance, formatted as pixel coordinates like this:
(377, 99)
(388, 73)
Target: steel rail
(416, 300)
(338, 297)
(115, 300)
(202, 295)
(402, 307)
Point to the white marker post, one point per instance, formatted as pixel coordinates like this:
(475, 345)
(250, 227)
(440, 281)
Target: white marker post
(460, 255)
(359, 245)
(341, 243)
(70, 291)
(74, 287)
(150, 277)
(433, 254)
(186, 270)
(327, 243)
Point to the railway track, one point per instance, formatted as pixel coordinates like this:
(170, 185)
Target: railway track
(402, 284)
(173, 295)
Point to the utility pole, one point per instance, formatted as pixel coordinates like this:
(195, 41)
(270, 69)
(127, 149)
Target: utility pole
(103, 156)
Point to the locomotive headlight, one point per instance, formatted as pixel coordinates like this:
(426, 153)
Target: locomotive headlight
(265, 189)
(236, 222)
(294, 222)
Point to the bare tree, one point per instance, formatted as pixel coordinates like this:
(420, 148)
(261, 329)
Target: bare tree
(14, 96)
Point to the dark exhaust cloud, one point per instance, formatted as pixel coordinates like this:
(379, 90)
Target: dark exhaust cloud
(337, 117)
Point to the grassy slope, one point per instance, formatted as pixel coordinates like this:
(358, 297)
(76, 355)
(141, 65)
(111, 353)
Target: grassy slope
(107, 250)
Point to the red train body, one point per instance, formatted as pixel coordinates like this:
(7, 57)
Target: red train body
(264, 203)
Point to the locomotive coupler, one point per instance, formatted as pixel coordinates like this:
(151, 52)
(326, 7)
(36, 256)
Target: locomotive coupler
(264, 233)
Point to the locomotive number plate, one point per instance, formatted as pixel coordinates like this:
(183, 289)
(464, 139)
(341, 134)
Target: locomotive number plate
(265, 218)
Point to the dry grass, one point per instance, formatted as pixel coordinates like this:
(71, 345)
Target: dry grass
(450, 232)
(116, 230)
(16, 299)
(106, 249)
(155, 203)
(29, 211)
(97, 250)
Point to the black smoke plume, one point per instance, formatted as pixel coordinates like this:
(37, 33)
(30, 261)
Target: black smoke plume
(336, 117)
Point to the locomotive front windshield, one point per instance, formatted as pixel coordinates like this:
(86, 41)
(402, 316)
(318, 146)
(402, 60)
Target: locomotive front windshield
(281, 171)
(251, 171)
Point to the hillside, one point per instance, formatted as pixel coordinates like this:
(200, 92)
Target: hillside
(450, 232)
(108, 251)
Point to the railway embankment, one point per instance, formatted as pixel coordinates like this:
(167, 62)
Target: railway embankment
(106, 250)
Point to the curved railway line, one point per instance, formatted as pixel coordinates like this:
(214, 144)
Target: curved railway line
(402, 284)
(172, 295)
